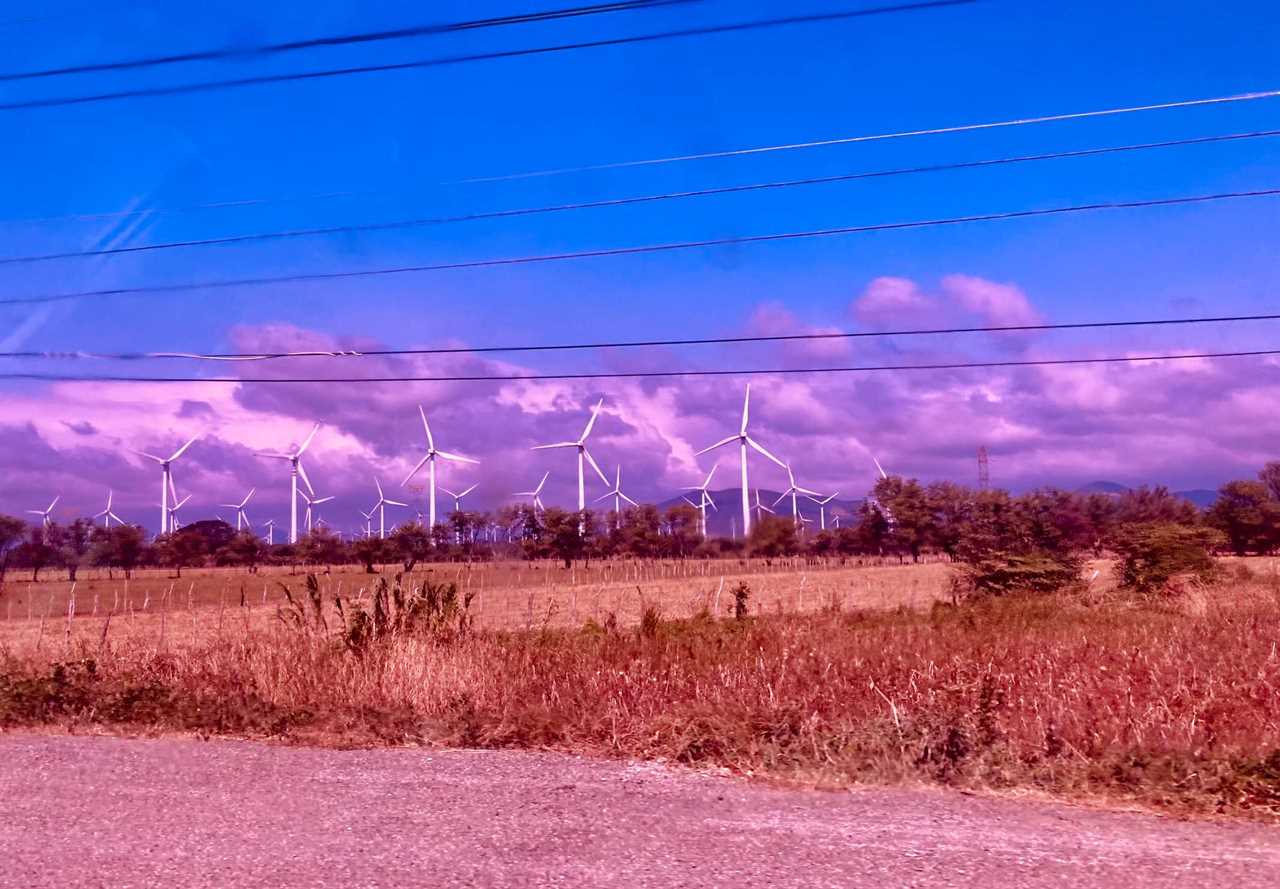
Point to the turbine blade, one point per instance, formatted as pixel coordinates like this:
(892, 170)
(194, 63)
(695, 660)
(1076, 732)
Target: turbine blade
(307, 442)
(378, 484)
(273, 456)
(628, 499)
(456, 458)
(321, 500)
(596, 466)
(302, 472)
(538, 490)
(595, 412)
(559, 444)
(431, 442)
(781, 498)
(411, 474)
(711, 473)
(148, 456)
(720, 443)
(746, 402)
(179, 452)
(605, 496)
(394, 503)
(53, 503)
(468, 490)
(879, 468)
(760, 448)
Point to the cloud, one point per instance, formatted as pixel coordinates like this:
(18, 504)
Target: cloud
(1188, 424)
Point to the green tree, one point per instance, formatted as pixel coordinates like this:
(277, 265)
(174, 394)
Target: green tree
(950, 506)
(36, 553)
(321, 547)
(246, 549)
(1269, 475)
(411, 543)
(121, 546)
(72, 544)
(1153, 555)
(370, 551)
(683, 530)
(1245, 513)
(772, 537)
(180, 549)
(568, 535)
(911, 525)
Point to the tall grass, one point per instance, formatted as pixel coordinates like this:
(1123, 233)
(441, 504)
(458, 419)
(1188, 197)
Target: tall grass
(1158, 705)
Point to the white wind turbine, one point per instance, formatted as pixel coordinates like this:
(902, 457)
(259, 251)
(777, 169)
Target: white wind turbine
(242, 518)
(429, 459)
(792, 491)
(704, 498)
(875, 501)
(583, 456)
(107, 515)
(381, 507)
(295, 469)
(617, 496)
(743, 441)
(822, 508)
(270, 525)
(313, 501)
(457, 497)
(536, 494)
(174, 524)
(368, 523)
(46, 514)
(167, 489)
(760, 508)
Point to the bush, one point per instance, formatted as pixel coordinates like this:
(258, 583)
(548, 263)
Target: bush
(1003, 574)
(1156, 554)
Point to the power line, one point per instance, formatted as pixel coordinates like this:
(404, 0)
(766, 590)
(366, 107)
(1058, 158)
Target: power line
(639, 250)
(293, 77)
(621, 375)
(626, 201)
(253, 202)
(880, 137)
(212, 55)
(627, 344)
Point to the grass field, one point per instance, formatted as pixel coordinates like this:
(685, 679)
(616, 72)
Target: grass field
(838, 676)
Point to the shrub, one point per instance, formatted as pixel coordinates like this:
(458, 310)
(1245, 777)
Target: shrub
(1155, 554)
(741, 593)
(1003, 574)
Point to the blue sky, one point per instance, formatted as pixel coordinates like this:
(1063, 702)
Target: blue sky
(395, 138)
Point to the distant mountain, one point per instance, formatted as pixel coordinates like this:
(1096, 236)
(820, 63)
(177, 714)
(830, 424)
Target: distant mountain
(1201, 497)
(726, 518)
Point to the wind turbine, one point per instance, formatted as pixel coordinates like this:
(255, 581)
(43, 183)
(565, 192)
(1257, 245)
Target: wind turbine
(457, 498)
(617, 496)
(583, 455)
(368, 523)
(46, 514)
(760, 508)
(822, 509)
(167, 489)
(704, 499)
(241, 515)
(874, 500)
(792, 491)
(174, 524)
(743, 441)
(381, 507)
(313, 501)
(270, 525)
(536, 493)
(295, 469)
(430, 460)
(107, 515)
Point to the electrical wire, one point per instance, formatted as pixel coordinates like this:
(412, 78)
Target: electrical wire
(629, 344)
(254, 202)
(298, 76)
(630, 375)
(626, 201)
(213, 55)
(639, 250)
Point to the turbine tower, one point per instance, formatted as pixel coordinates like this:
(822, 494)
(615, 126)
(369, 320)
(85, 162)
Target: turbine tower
(760, 508)
(430, 460)
(381, 507)
(167, 489)
(241, 516)
(704, 498)
(583, 456)
(46, 514)
(792, 491)
(822, 508)
(536, 494)
(617, 496)
(107, 515)
(743, 441)
(295, 469)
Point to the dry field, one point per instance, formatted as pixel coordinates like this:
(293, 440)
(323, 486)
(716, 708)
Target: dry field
(507, 595)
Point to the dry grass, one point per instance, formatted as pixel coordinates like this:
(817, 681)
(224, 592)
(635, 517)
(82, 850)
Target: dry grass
(1172, 707)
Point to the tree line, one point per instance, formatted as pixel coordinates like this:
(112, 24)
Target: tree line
(903, 518)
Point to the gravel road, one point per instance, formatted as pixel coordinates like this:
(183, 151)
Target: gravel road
(124, 813)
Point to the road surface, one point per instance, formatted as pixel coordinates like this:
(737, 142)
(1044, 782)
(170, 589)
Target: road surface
(119, 813)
